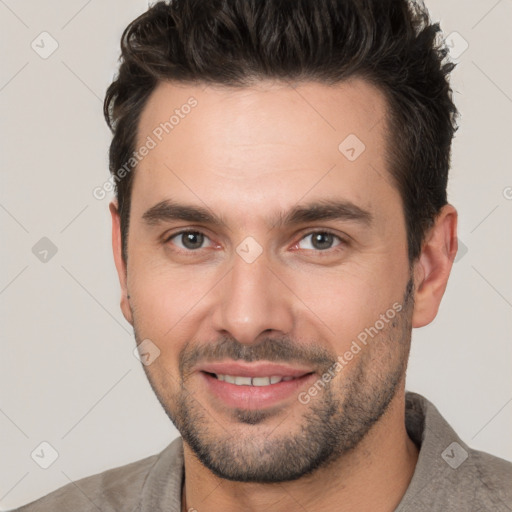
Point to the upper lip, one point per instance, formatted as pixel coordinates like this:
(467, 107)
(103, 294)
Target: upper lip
(256, 369)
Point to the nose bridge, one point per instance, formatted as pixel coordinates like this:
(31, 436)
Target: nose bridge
(253, 300)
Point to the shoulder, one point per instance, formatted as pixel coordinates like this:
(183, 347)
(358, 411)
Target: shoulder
(449, 475)
(116, 489)
(494, 477)
(482, 482)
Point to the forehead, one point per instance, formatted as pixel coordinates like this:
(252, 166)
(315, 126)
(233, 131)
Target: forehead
(269, 112)
(271, 143)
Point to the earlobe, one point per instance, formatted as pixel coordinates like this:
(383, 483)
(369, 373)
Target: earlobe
(433, 267)
(117, 247)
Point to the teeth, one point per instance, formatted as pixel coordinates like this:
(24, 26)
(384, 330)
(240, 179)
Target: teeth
(261, 381)
(243, 381)
(252, 381)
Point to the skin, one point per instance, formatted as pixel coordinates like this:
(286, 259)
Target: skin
(246, 155)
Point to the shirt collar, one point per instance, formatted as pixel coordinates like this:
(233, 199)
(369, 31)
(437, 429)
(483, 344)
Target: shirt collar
(426, 427)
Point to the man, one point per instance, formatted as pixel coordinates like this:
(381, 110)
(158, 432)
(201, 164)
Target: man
(281, 224)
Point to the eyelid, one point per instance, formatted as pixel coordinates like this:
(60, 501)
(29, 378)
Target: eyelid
(344, 240)
(170, 233)
(168, 237)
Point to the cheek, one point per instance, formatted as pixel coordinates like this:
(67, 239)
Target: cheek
(345, 302)
(342, 306)
(165, 298)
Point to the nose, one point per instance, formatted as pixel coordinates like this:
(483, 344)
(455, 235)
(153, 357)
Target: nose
(254, 301)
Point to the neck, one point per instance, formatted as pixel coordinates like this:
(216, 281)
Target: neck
(372, 477)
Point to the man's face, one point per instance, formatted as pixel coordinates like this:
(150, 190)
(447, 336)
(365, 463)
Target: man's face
(295, 254)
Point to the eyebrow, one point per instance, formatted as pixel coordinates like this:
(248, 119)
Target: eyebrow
(169, 210)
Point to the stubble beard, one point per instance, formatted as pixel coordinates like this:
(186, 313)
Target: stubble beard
(333, 423)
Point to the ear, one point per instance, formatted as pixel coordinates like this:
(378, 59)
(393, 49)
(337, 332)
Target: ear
(433, 267)
(117, 248)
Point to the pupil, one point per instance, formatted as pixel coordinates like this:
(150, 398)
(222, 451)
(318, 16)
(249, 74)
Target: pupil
(192, 240)
(322, 240)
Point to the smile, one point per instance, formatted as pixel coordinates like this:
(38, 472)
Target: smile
(252, 381)
(253, 386)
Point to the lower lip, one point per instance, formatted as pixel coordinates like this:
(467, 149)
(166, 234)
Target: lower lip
(255, 397)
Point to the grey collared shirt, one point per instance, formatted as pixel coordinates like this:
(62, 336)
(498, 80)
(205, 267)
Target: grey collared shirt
(449, 476)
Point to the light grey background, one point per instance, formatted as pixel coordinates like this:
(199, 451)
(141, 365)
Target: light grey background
(67, 369)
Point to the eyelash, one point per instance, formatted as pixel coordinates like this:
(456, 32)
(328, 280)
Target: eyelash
(342, 242)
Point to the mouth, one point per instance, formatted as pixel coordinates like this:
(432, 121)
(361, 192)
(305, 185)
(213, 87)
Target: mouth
(253, 386)
(240, 380)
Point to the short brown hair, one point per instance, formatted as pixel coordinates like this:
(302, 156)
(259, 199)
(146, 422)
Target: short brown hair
(390, 43)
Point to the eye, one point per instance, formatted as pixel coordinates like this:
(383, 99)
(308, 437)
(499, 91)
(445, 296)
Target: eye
(189, 240)
(320, 241)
